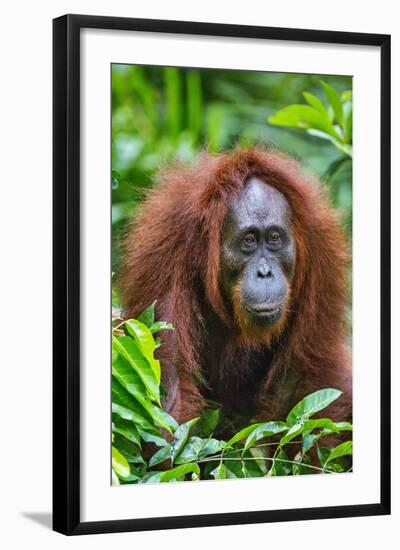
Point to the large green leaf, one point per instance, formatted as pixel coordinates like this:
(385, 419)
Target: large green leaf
(210, 447)
(127, 429)
(129, 450)
(129, 378)
(197, 448)
(293, 432)
(180, 437)
(160, 417)
(348, 120)
(219, 472)
(147, 316)
(265, 430)
(315, 102)
(153, 436)
(129, 414)
(180, 472)
(128, 348)
(242, 434)
(208, 422)
(334, 101)
(160, 456)
(160, 325)
(345, 448)
(119, 463)
(145, 342)
(304, 116)
(327, 425)
(121, 396)
(190, 451)
(129, 409)
(312, 404)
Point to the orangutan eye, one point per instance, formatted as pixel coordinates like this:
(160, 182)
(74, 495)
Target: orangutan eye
(274, 238)
(249, 240)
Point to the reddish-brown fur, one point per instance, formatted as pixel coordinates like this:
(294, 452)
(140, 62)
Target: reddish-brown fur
(172, 255)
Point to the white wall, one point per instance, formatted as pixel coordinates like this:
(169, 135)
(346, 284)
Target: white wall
(25, 121)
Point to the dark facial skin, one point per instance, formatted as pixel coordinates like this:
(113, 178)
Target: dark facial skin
(258, 252)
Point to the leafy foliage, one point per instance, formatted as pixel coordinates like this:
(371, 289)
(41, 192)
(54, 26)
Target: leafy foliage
(189, 451)
(332, 122)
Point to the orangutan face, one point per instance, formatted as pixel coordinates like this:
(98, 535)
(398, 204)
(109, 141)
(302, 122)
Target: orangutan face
(258, 254)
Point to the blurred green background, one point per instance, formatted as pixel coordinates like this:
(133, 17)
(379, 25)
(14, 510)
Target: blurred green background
(163, 113)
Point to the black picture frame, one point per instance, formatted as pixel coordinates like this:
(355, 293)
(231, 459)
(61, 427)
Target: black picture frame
(66, 271)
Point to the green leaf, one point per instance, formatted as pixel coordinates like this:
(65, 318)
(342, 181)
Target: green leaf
(312, 404)
(348, 120)
(131, 478)
(197, 448)
(147, 316)
(126, 347)
(322, 453)
(127, 429)
(151, 477)
(145, 342)
(119, 463)
(153, 437)
(315, 102)
(211, 447)
(334, 101)
(160, 417)
(265, 430)
(327, 425)
(160, 325)
(293, 432)
(344, 449)
(190, 451)
(219, 472)
(180, 437)
(208, 422)
(133, 415)
(260, 454)
(128, 378)
(179, 472)
(243, 434)
(163, 454)
(304, 116)
(309, 440)
(129, 450)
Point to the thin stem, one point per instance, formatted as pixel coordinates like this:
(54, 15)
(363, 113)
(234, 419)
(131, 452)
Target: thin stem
(117, 327)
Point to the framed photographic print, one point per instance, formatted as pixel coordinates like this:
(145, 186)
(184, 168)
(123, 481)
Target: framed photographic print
(221, 274)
